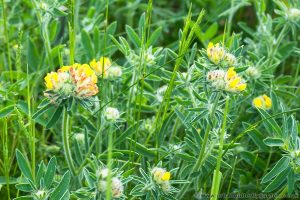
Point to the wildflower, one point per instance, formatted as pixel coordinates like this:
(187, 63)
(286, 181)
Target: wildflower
(79, 137)
(40, 194)
(230, 59)
(252, 72)
(102, 186)
(160, 175)
(114, 71)
(293, 13)
(215, 53)
(161, 92)
(229, 81)
(117, 187)
(263, 102)
(101, 67)
(234, 82)
(166, 186)
(103, 173)
(111, 114)
(76, 80)
(149, 57)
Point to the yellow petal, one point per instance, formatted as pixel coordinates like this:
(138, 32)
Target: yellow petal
(257, 102)
(166, 176)
(242, 87)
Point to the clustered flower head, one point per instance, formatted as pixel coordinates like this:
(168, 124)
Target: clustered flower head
(161, 92)
(218, 54)
(104, 68)
(76, 80)
(101, 66)
(253, 72)
(117, 187)
(111, 114)
(229, 81)
(263, 102)
(293, 14)
(162, 177)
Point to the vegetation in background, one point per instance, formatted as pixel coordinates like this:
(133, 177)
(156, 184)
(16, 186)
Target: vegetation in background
(136, 99)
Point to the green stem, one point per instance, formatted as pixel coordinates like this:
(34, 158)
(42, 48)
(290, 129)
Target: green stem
(72, 31)
(66, 128)
(6, 38)
(5, 156)
(109, 162)
(218, 174)
(202, 151)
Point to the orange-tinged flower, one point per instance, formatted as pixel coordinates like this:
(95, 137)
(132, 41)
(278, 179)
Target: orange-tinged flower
(263, 102)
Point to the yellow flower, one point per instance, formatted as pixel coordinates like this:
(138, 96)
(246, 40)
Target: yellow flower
(215, 53)
(263, 102)
(166, 176)
(234, 82)
(75, 80)
(101, 67)
(257, 102)
(51, 80)
(160, 175)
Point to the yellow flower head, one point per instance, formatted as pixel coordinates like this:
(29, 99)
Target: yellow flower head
(263, 102)
(160, 175)
(75, 80)
(215, 53)
(51, 80)
(234, 82)
(101, 67)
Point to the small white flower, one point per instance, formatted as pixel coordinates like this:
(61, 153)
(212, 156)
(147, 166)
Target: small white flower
(117, 187)
(166, 186)
(115, 71)
(40, 194)
(102, 186)
(293, 13)
(102, 173)
(79, 137)
(253, 72)
(230, 59)
(111, 114)
(161, 92)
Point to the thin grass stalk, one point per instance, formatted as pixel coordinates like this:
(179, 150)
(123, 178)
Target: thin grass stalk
(178, 60)
(200, 159)
(184, 46)
(5, 156)
(66, 128)
(231, 178)
(142, 67)
(218, 175)
(72, 31)
(45, 33)
(7, 43)
(109, 162)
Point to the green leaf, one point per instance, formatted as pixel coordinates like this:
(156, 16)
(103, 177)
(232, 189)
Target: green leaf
(61, 188)
(280, 166)
(25, 187)
(23, 165)
(127, 133)
(50, 172)
(42, 110)
(274, 142)
(133, 36)
(24, 198)
(141, 149)
(270, 123)
(55, 117)
(277, 182)
(154, 36)
(87, 44)
(4, 112)
(211, 31)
